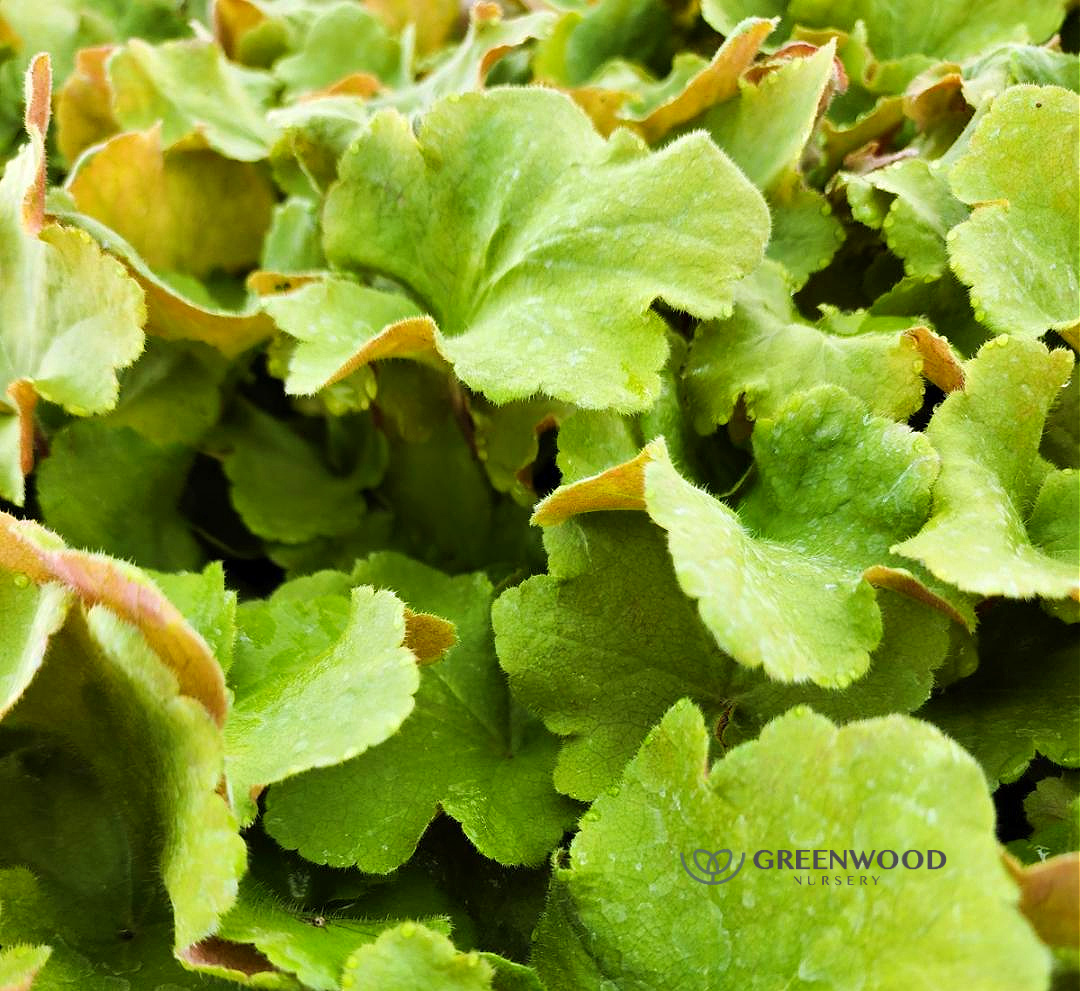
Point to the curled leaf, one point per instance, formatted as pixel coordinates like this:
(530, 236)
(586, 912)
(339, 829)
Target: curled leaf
(34, 551)
(1050, 897)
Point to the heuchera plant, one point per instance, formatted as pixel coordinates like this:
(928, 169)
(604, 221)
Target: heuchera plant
(570, 495)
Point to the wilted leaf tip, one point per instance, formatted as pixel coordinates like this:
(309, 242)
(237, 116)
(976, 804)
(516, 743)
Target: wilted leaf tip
(36, 119)
(428, 636)
(621, 487)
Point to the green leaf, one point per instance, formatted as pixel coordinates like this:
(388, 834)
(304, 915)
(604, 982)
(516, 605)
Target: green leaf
(605, 644)
(917, 219)
(990, 75)
(342, 39)
(69, 315)
(1061, 436)
(189, 87)
(279, 484)
(602, 645)
(1003, 522)
(65, 26)
(942, 304)
(463, 69)
(317, 131)
(863, 116)
(465, 748)
(510, 976)
(773, 579)
(179, 307)
(1024, 698)
(897, 28)
(591, 441)
(352, 670)
(102, 695)
(129, 494)
(207, 605)
(914, 644)
(334, 321)
(403, 271)
(32, 613)
(1018, 252)
(294, 241)
(411, 956)
(624, 905)
(172, 394)
(87, 953)
(583, 42)
(1055, 805)
(766, 128)
(19, 965)
(805, 523)
(39, 555)
(724, 15)
(805, 233)
(624, 94)
(442, 508)
(311, 946)
(507, 440)
(537, 285)
(1053, 810)
(765, 352)
(89, 296)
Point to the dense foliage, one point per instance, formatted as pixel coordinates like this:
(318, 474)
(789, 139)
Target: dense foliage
(464, 474)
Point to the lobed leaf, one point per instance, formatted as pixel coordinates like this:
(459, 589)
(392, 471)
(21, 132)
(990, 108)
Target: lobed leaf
(342, 40)
(69, 316)
(189, 88)
(530, 290)
(623, 903)
(803, 525)
(466, 748)
(136, 520)
(280, 485)
(899, 28)
(765, 352)
(919, 217)
(1003, 520)
(1018, 252)
(1020, 700)
(355, 666)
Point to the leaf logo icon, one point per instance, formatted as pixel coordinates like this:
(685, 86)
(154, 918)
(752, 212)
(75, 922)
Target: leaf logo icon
(708, 865)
